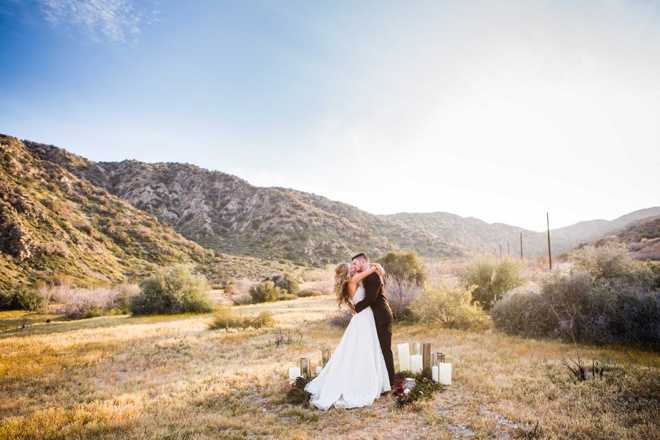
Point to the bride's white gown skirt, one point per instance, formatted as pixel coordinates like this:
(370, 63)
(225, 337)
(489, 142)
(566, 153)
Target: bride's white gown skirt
(356, 374)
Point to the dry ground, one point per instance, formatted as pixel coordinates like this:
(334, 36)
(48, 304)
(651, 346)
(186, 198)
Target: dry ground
(171, 377)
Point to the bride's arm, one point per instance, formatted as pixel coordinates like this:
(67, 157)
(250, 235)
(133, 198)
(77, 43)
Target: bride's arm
(359, 276)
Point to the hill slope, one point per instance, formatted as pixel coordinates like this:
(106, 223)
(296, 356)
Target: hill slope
(227, 214)
(54, 224)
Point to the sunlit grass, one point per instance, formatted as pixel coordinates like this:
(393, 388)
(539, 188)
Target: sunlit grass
(172, 377)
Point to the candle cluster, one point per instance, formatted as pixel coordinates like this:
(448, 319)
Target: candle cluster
(304, 367)
(423, 358)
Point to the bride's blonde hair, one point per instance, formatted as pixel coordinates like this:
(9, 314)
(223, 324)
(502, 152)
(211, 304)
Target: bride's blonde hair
(342, 277)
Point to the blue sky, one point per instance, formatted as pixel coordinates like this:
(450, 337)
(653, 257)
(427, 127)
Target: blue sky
(500, 110)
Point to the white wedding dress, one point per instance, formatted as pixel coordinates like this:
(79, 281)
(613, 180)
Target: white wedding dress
(356, 374)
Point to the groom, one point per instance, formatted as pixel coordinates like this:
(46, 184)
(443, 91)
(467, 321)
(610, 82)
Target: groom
(374, 296)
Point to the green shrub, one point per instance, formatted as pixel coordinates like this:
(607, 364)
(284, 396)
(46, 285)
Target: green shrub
(448, 306)
(610, 261)
(125, 292)
(405, 266)
(306, 293)
(23, 298)
(264, 292)
(284, 282)
(172, 290)
(489, 279)
(224, 318)
(614, 303)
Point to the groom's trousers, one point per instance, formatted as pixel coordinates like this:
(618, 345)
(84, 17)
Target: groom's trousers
(384, 333)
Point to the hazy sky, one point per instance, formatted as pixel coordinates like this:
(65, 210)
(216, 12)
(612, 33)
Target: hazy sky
(500, 110)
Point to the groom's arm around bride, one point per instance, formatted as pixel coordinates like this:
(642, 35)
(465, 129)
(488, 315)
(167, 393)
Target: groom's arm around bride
(374, 297)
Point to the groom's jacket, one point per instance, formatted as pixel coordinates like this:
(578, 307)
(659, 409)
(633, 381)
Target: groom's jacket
(374, 296)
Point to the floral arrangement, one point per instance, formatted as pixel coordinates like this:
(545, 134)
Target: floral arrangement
(424, 387)
(296, 394)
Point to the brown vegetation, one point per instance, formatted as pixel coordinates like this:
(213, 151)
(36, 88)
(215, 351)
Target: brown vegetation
(159, 377)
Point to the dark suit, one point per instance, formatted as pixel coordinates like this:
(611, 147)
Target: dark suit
(374, 296)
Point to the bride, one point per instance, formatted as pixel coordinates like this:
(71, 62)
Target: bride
(356, 374)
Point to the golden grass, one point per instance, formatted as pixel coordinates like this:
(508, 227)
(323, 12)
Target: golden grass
(171, 377)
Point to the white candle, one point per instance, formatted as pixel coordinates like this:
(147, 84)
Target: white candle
(416, 361)
(417, 348)
(404, 357)
(318, 370)
(444, 373)
(434, 373)
(294, 373)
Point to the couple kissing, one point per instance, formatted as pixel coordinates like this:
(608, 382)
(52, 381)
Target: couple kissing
(362, 366)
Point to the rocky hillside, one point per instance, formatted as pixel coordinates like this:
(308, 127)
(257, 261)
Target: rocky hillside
(481, 237)
(227, 214)
(642, 238)
(593, 229)
(53, 223)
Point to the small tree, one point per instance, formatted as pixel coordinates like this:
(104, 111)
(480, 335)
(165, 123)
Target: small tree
(264, 292)
(284, 282)
(448, 306)
(489, 279)
(400, 295)
(405, 266)
(172, 290)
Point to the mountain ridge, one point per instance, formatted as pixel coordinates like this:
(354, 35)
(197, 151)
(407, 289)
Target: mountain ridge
(222, 213)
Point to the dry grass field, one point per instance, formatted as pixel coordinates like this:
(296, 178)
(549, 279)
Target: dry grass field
(173, 378)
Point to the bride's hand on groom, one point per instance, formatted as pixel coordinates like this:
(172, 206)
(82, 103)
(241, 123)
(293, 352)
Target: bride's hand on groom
(352, 310)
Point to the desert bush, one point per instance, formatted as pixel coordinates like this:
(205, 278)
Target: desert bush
(284, 282)
(401, 294)
(406, 266)
(580, 308)
(172, 290)
(612, 264)
(225, 318)
(609, 261)
(489, 279)
(240, 300)
(88, 303)
(238, 287)
(341, 318)
(449, 306)
(264, 292)
(125, 292)
(306, 293)
(22, 298)
(286, 297)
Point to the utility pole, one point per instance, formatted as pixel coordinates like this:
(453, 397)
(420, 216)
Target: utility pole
(549, 251)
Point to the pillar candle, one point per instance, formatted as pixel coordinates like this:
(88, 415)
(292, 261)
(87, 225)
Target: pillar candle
(417, 348)
(305, 369)
(434, 373)
(444, 373)
(426, 355)
(294, 373)
(416, 361)
(404, 357)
